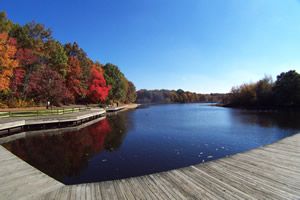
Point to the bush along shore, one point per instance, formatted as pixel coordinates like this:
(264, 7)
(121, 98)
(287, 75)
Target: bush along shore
(283, 94)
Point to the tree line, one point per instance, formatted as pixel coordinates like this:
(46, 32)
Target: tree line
(265, 93)
(35, 68)
(175, 96)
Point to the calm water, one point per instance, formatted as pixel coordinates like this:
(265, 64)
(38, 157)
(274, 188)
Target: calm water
(152, 139)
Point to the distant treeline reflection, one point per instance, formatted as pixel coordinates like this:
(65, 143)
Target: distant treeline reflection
(278, 119)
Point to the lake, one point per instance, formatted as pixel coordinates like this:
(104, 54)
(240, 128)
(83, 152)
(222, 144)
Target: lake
(152, 139)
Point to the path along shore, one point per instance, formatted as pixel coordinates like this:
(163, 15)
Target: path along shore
(57, 119)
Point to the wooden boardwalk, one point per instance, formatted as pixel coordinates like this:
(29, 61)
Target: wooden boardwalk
(19, 180)
(115, 109)
(17, 122)
(270, 172)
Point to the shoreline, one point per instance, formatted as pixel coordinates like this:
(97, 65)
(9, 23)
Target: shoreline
(14, 125)
(261, 108)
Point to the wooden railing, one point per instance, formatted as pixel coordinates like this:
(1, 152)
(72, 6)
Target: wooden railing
(32, 113)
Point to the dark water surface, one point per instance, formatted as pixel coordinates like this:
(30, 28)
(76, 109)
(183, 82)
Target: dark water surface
(152, 139)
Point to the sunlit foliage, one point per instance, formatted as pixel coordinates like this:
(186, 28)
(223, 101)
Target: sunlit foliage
(284, 92)
(8, 62)
(34, 67)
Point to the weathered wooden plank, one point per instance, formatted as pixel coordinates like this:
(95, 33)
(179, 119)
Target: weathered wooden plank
(215, 184)
(146, 189)
(136, 190)
(108, 190)
(20, 180)
(155, 189)
(271, 186)
(234, 180)
(188, 188)
(169, 189)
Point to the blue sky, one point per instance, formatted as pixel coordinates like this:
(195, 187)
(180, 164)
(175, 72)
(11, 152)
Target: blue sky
(198, 45)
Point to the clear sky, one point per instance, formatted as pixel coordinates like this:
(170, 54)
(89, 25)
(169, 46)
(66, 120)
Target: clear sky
(198, 45)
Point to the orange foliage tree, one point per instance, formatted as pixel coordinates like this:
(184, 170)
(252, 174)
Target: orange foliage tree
(8, 61)
(73, 79)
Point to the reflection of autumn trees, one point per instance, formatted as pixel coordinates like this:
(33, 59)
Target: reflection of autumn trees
(119, 125)
(66, 154)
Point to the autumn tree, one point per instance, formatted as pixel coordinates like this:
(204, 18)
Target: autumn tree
(27, 59)
(285, 92)
(17, 82)
(7, 60)
(73, 79)
(264, 91)
(98, 90)
(35, 66)
(47, 85)
(171, 96)
(73, 50)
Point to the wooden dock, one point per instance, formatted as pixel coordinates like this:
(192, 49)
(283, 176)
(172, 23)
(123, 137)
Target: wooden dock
(55, 131)
(116, 109)
(19, 180)
(24, 123)
(270, 172)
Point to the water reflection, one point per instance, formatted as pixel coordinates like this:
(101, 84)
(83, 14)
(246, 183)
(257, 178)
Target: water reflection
(277, 119)
(120, 124)
(153, 139)
(65, 155)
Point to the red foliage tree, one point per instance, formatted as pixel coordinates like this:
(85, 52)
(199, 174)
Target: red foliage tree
(98, 90)
(47, 85)
(26, 56)
(17, 81)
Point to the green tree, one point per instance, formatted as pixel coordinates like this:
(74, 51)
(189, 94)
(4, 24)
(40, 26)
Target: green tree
(264, 91)
(5, 24)
(287, 89)
(244, 95)
(131, 93)
(116, 79)
(31, 35)
(56, 57)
